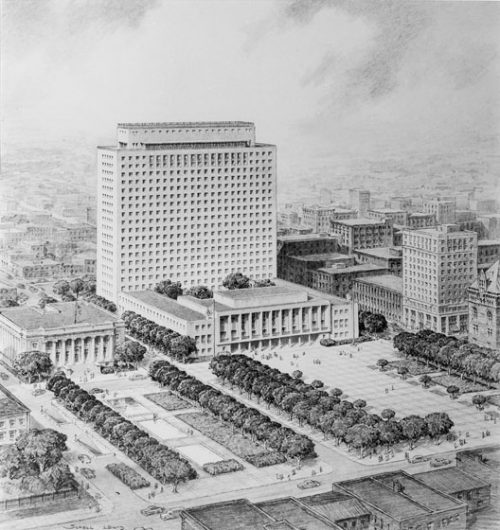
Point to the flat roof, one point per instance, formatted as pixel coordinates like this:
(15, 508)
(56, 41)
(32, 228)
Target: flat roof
(387, 210)
(329, 207)
(336, 506)
(185, 124)
(57, 315)
(382, 252)
(488, 242)
(356, 222)
(450, 480)
(306, 237)
(166, 304)
(362, 267)
(324, 257)
(389, 281)
(10, 405)
(239, 514)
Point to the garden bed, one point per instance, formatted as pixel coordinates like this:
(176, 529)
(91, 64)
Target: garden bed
(414, 367)
(224, 466)
(128, 476)
(235, 442)
(168, 401)
(464, 385)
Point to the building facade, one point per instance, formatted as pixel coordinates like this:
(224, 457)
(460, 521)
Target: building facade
(14, 417)
(380, 294)
(484, 308)
(319, 217)
(488, 251)
(390, 258)
(444, 210)
(398, 217)
(362, 233)
(439, 264)
(421, 220)
(360, 201)
(71, 332)
(191, 202)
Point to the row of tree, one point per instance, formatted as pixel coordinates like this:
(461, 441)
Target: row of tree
(35, 459)
(69, 291)
(371, 322)
(162, 463)
(169, 342)
(343, 420)
(249, 420)
(450, 353)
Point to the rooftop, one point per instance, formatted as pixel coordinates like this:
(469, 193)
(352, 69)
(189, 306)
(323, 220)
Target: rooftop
(184, 124)
(389, 281)
(328, 207)
(336, 506)
(488, 242)
(358, 222)
(10, 405)
(57, 315)
(305, 237)
(450, 480)
(327, 256)
(362, 267)
(382, 252)
(164, 303)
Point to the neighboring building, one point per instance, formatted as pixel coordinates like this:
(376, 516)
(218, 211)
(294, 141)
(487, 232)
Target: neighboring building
(380, 294)
(444, 210)
(72, 332)
(488, 251)
(14, 417)
(360, 201)
(319, 217)
(32, 269)
(491, 225)
(245, 319)
(484, 308)
(401, 203)
(338, 279)
(344, 510)
(390, 258)
(398, 501)
(191, 202)
(398, 217)
(439, 264)
(298, 269)
(362, 233)
(458, 484)
(421, 220)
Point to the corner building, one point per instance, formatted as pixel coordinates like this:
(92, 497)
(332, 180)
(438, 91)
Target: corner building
(190, 202)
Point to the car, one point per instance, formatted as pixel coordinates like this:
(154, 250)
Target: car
(173, 513)
(417, 459)
(327, 342)
(87, 472)
(308, 484)
(96, 391)
(152, 510)
(438, 462)
(84, 459)
(4, 376)
(136, 377)
(107, 370)
(38, 392)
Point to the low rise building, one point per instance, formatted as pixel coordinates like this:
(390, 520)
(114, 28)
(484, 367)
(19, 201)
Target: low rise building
(14, 417)
(488, 251)
(319, 217)
(71, 332)
(399, 217)
(390, 258)
(362, 233)
(380, 294)
(338, 279)
(299, 269)
(459, 484)
(443, 209)
(421, 220)
(399, 501)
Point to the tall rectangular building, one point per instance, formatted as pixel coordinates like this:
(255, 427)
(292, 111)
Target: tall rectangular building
(190, 202)
(439, 264)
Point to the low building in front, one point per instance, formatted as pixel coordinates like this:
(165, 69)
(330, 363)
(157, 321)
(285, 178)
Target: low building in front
(14, 417)
(380, 294)
(71, 332)
(391, 258)
(245, 319)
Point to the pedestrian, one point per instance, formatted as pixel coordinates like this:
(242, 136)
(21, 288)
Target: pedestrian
(386, 390)
(392, 387)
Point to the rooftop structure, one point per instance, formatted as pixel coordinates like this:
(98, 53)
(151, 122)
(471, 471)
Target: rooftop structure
(450, 480)
(340, 508)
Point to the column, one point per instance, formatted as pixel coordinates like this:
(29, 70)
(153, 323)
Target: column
(238, 324)
(73, 351)
(101, 348)
(92, 348)
(309, 316)
(53, 354)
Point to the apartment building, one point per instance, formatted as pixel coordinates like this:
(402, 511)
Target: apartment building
(380, 294)
(444, 210)
(191, 202)
(398, 217)
(319, 217)
(488, 251)
(439, 264)
(390, 258)
(363, 233)
(359, 201)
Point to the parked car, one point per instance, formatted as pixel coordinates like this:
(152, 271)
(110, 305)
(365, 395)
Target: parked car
(38, 392)
(173, 513)
(438, 462)
(84, 459)
(327, 342)
(107, 370)
(417, 459)
(96, 391)
(308, 484)
(152, 510)
(137, 377)
(87, 472)
(4, 376)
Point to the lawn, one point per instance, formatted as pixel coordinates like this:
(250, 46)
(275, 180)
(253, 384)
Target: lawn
(414, 367)
(168, 401)
(222, 433)
(464, 385)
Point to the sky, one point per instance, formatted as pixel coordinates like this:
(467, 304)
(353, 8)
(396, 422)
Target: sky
(319, 78)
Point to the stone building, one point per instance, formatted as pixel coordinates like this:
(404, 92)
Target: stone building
(398, 217)
(14, 417)
(390, 258)
(488, 251)
(444, 210)
(319, 217)
(484, 308)
(362, 233)
(71, 332)
(380, 294)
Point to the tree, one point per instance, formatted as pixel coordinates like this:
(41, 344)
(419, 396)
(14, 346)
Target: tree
(33, 365)
(61, 287)
(289, 401)
(361, 437)
(236, 280)
(388, 414)
(359, 404)
(168, 288)
(200, 291)
(413, 428)
(403, 371)
(182, 348)
(45, 299)
(42, 448)
(375, 323)
(336, 392)
(438, 424)
(453, 390)
(297, 374)
(382, 364)
(8, 302)
(263, 283)
(426, 380)
(77, 286)
(479, 400)
(129, 353)
(317, 384)
(299, 447)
